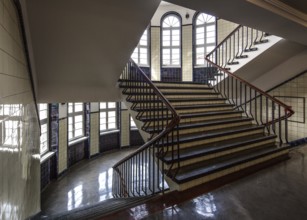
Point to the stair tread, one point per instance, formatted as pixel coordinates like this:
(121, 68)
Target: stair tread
(182, 99)
(177, 93)
(188, 125)
(217, 132)
(203, 168)
(205, 149)
(192, 115)
(188, 107)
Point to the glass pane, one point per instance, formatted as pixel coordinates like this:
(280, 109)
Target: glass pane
(211, 40)
(70, 108)
(44, 128)
(211, 28)
(200, 41)
(112, 125)
(175, 33)
(102, 115)
(200, 30)
(79, 125)
(211, 34)
(175, 43)
(78, 107)
(70, 121)
(78, 133)
(209, 49)
(112, 114)
(103, 127)
(78, 118)
(144, 61)
(70, 136)
(111, 104)
(103, 105)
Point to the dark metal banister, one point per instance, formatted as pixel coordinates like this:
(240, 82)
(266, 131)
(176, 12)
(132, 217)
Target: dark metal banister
(242, 93)
(287, 108)
(141, 172)
(226, 38)
(169, 127)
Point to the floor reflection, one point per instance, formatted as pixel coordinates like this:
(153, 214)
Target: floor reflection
(105, 185)
(205, 205)
(86, 183)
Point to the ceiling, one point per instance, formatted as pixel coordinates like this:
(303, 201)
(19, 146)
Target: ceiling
(78, 48)
(248, 13)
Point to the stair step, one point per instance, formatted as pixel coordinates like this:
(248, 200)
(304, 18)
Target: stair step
(261, 42)
(195, 139)
(206, 124)
(180, 85)
(185, 107)
(202, 169)
(191, 115)
(213, 148)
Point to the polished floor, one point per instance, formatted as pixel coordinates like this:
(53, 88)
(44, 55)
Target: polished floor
(86, 183)
(276, 193)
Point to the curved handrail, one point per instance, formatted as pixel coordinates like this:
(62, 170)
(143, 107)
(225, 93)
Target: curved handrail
(174, 122)
(130, 175)
(240, 41)
(288, 108)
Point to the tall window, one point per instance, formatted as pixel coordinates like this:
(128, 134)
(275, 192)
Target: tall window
(11, 125)
(107, 116)
(171, 40)
(205, 39)
(75, 120)
(140, 53)
(43, 117)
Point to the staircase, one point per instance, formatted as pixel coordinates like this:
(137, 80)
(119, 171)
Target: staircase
(196, 133)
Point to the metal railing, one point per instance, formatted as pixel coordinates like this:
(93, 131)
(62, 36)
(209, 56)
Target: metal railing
(257, 104)
(140, 173)
(235, 46)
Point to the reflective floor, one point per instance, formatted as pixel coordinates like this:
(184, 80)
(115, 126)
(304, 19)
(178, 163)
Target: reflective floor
(86, 183)
(276, 193)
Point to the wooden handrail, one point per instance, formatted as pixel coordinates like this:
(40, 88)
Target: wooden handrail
(287, 108)
(174, 122)
(226, 38)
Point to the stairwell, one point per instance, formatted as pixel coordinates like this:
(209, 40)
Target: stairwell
(198, 132)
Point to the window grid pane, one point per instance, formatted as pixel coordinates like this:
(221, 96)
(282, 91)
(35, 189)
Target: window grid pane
(171, 41)
(75, 120)
(108, 117)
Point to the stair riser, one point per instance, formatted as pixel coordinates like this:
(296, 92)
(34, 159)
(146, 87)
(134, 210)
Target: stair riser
(175, 85)
(220, 138)
(187, 90)
(213, 95)
(205, 179)
(200, 119)
(193, 110)
(219, 154)
(212, 127)
(206, 102)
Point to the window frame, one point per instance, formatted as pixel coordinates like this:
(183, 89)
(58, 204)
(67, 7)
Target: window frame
(44, 121)
(171, 46)
(73, 114)
(11, 125)
(205, 44)
(107, 110)
(139, 47)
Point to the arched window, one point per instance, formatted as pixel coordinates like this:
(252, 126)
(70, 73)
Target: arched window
(140, 53)
(171, 40)
(205, 36)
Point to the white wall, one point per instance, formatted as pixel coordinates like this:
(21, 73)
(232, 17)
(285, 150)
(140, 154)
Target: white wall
(20, 163)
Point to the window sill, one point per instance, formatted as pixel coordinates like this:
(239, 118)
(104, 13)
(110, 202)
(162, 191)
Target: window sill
(46, 156)
(77, 141)
(171, 67)
(134, 129)
(109, 132)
